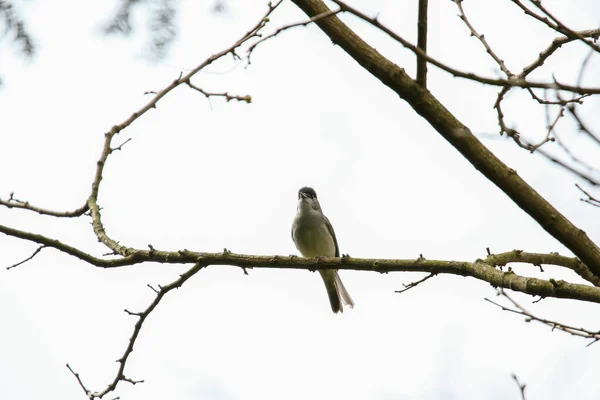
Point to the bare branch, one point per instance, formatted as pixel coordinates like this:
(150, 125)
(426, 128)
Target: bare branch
(35, 253)
(590, 199)
(422, 42)
(562, 28)
(13, 202)
(521, 386)
(87, 392)
(120, 147)
(92, 202)
(120, 376)
(413, 284)
(514, 81)
(228, 97)
(519, 309)
(585, 176)
(549, 129)
(326, 14)
(481, 38)
(537, 259)
(478, 269)
(555, 45)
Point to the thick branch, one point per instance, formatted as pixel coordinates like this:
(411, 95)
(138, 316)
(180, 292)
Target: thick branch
(458, 135)
(479, 269)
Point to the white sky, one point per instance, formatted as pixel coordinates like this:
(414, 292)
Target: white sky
(207, 178)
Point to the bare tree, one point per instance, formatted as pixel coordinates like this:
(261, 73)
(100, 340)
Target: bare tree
(560, 99)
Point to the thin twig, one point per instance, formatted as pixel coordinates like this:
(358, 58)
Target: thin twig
(228, 97)
(590, 199)
(408, 286)
(293, 25)
(519, 309)
(521, 386)
(35, 253)
(13, 202)
(481, 38)
(562, 28)
(120, 375)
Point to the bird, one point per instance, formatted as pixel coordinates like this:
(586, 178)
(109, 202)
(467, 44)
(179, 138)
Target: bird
(314, 236)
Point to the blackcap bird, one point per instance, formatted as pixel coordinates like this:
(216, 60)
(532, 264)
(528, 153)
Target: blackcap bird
(314, 237)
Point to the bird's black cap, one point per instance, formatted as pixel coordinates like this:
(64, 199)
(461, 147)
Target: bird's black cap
(308, 192)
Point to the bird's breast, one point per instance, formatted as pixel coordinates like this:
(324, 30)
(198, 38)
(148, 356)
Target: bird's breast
(313, 239)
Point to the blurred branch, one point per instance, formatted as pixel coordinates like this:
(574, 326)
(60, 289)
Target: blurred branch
(590, 199)
(14, 24)
(519, 309)
(583, 175)
(521, 386)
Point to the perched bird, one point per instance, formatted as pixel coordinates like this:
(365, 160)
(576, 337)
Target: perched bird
(313, 236)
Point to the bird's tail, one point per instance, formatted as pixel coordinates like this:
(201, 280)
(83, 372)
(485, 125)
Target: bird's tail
(338, 295)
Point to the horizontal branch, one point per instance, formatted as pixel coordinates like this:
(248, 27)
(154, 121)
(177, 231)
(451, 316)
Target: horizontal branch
(480, 269)
(12, 202)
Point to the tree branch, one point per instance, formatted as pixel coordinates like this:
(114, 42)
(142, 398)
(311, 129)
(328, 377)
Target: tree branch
(480, 269)
(422, 43)
(426, 105)
(514, 81)
(519, 309)
(120, 376)
(35, 253)
(481, 38)
(13, 202)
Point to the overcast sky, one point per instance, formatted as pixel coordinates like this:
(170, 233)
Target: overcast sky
(211, 175)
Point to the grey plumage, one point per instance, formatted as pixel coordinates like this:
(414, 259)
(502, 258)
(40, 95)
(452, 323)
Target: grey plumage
(314, 236)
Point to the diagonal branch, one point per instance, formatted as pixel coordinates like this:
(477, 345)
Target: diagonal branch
(120, 376)
(555, 45)
(458, 135)
(35, 253)
(481, 38)
(519, 309)
(590, 199)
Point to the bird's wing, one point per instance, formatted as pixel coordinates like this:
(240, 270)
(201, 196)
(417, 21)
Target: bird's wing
(330, 229)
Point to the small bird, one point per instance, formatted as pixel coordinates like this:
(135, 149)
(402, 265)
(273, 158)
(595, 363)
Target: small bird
(313, 236)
